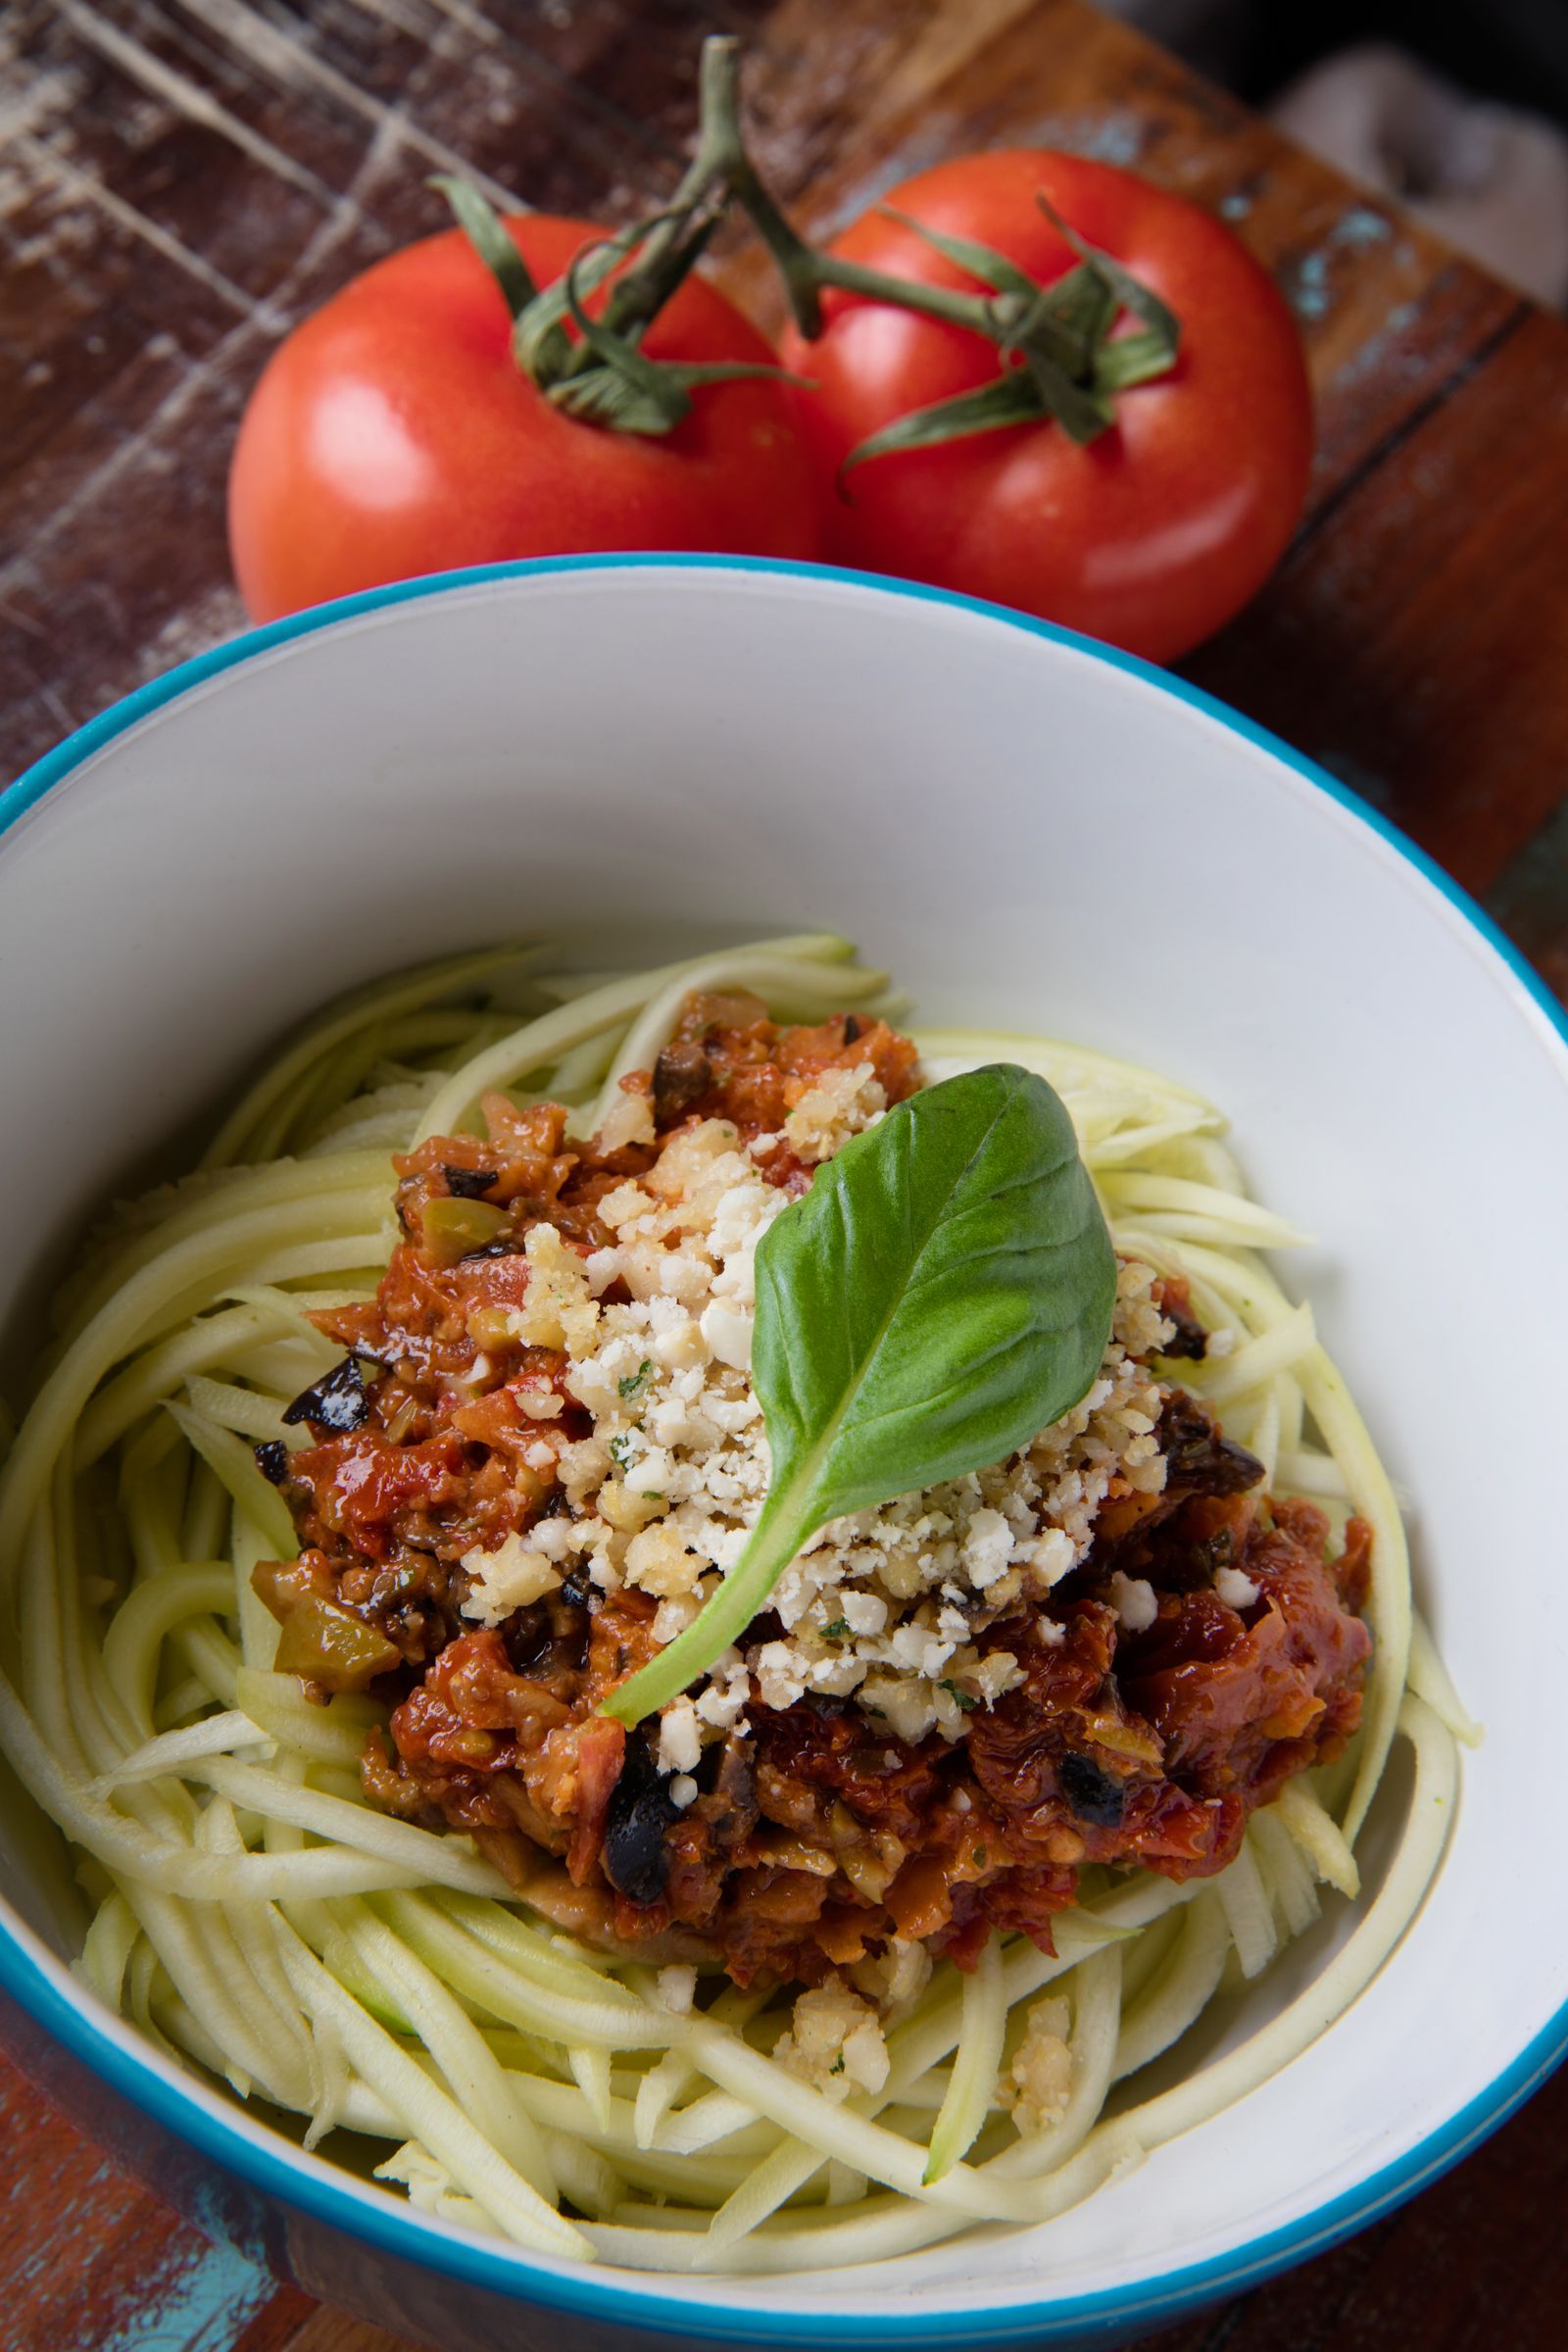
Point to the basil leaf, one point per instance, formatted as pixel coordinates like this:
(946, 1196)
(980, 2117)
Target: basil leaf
(942, 1293)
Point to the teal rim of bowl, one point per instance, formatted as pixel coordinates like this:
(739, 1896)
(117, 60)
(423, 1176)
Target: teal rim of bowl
(618, 2300)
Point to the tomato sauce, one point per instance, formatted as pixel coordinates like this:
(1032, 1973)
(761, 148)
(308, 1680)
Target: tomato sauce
(815, 1834)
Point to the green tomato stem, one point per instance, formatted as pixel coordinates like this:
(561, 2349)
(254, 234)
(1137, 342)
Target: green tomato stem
(1059, 342)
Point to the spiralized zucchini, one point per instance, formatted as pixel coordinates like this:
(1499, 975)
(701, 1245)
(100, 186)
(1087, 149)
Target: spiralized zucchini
(256, 1915)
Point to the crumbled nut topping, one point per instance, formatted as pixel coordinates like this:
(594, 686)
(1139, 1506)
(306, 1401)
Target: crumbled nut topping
(1038, 2085)
(883, 1606)
(835, 2040)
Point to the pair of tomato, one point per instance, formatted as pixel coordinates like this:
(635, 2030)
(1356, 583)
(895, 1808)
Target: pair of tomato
(393, 434)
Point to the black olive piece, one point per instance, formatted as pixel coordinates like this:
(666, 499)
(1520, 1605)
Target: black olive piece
(727, 1776)
(1233, 1469)
(1216, 1552)
(1092, 1794)
(852, 1030)
(682, 1076)
(504, 1249)
(1190, 1338)
(575, 1590)
(635, 1858)
(271, 1460)
(1196, 1456)
(527, 1637)
(469, 1184)
(337, 1402)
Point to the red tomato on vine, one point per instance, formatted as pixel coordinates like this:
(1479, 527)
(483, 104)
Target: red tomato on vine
(1030, 377)
(395, 433)
(1151, 534)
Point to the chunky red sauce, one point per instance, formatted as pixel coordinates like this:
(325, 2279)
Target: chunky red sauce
(817, 1835)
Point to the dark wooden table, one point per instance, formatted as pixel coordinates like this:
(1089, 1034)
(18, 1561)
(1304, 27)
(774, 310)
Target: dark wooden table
(181, 180)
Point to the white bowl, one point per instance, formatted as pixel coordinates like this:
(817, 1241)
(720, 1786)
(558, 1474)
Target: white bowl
(1033, 832)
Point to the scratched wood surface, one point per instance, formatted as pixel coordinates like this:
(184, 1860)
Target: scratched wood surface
(181, 180)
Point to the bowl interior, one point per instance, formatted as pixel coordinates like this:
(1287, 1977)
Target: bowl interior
(1031, 835)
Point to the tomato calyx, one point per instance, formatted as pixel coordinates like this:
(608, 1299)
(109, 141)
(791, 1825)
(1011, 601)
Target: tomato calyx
(592, 367)
(1060, 358)
(1063, 352)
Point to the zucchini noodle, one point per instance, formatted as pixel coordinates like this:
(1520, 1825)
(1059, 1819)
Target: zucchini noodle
(255, 1913)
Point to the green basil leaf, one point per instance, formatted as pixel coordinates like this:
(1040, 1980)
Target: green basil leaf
(942, 1293)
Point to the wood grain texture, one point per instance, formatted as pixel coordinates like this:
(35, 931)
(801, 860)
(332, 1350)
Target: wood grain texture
(182, 179)
(89, 2261)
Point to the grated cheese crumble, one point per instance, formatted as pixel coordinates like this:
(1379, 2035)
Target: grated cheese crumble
(1038, 2086)
(835, 2040)
(882, 1606)
(1236, 1587)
